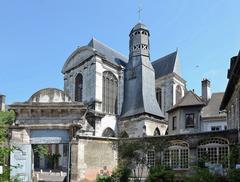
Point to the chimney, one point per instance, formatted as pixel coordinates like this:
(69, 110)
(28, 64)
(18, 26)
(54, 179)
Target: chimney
(206, 91)
(2, 102)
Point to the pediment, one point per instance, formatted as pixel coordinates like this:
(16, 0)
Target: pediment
(77, 57)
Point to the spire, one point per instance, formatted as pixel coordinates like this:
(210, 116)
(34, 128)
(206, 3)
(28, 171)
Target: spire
(139, 85)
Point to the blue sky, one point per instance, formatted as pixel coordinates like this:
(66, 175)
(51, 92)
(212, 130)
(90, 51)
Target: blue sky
(36, 37)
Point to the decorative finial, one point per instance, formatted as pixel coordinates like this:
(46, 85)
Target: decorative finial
(139, 13)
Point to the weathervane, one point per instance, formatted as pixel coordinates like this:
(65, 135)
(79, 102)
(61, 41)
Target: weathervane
(139, 13)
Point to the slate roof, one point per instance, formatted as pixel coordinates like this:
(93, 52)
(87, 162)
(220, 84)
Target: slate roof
(139, 86)
(139, 26)
(190, 99)
(167, 65)
(212, 108)
(108, 52)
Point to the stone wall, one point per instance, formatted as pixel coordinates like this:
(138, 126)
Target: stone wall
(89, 155)
(159, 144)
(180, 115)
(168, 85)
(233, 108)
(141, 126)
(207, 124)
(87, 69)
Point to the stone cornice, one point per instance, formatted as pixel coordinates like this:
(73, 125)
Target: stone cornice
(170, 76)
(43, 106)
(143, 117)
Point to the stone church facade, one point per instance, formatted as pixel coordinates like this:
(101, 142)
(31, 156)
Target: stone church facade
(107, 97)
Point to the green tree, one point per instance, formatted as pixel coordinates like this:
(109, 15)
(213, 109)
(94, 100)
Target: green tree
(40, 149)
(121, 174)
(133, 155)
(6, 119)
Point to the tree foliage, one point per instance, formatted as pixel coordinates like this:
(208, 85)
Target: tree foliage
(6, 119)
(121, 174)
(133, 155)
(160, 174)
(234, 175)
(40, 150)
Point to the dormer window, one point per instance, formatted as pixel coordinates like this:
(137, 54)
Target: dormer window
(189, 120)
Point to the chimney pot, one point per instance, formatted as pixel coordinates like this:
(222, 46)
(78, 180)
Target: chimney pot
(206, 89)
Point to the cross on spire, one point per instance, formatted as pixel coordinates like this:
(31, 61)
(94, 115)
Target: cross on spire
(139, 13)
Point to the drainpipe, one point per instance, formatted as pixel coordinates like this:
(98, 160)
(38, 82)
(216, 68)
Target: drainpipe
(69, 162)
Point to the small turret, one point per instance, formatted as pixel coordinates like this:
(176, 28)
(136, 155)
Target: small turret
(139, 41)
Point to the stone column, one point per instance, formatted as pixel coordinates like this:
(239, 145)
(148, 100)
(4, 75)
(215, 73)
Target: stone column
(192, 155)
(23, 157)
(74, 177)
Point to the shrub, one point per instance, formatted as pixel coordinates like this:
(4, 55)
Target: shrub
(121, 174)
(203, 175)
(160, 174)
(234, 175)
(104, 175)
(103, 178)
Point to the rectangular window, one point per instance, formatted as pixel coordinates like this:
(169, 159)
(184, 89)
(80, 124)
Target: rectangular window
(216, 128)
(151, 158)
(159, 97)
(189, 120)
(65, 149)
(176, 158)
(174, 120)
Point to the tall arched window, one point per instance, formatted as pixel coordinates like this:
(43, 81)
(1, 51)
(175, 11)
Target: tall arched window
(176, 156)
(108, 132)
(178, 93)
(124, 134)
(214, 150)
(110, 90)
(156, 132)
(159, 96)
(78, 87)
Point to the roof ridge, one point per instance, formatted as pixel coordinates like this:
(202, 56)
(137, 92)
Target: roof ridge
(182, 99)
(105, 45)
(175, 60)
(197, 97)
(159, 59)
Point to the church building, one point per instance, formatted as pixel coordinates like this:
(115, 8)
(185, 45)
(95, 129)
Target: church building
(106, 97)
